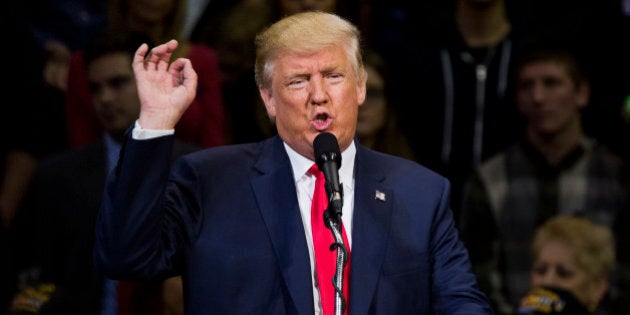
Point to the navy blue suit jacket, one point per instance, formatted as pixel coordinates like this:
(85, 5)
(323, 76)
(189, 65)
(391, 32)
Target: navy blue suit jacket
(227, 219)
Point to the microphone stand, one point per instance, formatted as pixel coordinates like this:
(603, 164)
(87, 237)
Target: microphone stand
(334, 223)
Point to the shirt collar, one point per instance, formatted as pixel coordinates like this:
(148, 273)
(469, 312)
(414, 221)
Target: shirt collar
(300, 164)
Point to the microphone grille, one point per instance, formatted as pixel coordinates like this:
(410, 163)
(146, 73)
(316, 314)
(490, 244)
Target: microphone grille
(326, 147)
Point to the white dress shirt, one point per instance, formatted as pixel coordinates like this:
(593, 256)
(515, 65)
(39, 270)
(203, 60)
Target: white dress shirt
(305, 185)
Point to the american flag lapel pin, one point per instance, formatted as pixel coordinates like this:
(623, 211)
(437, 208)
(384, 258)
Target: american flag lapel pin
(379, 195)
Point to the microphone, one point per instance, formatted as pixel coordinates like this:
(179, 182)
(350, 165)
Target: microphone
(328, 160)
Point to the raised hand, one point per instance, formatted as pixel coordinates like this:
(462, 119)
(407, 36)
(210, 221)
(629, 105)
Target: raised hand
(165, 90)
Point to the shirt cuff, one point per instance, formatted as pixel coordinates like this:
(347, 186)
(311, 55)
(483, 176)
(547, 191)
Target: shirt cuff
(144, 134)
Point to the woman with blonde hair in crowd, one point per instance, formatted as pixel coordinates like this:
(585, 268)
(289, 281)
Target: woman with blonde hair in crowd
(573, 258)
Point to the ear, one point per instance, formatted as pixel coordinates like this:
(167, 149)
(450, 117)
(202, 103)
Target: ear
(362, 88)
(268, 99)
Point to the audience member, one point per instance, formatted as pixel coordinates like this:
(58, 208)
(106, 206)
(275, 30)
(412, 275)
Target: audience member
(203, 124)
(574, 255)
(455, 90)
(53, 236)
(236, 220)
(555, 169)
(599, 31)
(377, 127)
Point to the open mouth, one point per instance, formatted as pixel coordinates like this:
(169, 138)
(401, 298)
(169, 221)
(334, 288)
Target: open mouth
(321, 121)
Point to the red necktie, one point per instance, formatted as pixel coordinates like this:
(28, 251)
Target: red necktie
(325, 259)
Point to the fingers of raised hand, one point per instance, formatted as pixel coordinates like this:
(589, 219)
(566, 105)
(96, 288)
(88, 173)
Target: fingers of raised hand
(157, 58)
(139, 57)
(184, 74)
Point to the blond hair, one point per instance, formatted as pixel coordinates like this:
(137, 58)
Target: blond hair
(592, 244)
(304, 33)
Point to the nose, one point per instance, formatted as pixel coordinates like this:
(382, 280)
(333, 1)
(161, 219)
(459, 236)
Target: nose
(103, 95)
(319, 95)
(549, 278)
(538, 93)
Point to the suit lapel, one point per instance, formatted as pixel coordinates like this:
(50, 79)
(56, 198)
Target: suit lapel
(370, 229)
(276, 196)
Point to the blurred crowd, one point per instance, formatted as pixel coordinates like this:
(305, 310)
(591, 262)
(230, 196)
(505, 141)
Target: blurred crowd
(524, 105)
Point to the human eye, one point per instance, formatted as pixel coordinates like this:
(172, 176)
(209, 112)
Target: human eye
(297, 82)
(334, 77)
(119, 81)
(95, 88)
(540, 269)
(564, 272)
(552, 82)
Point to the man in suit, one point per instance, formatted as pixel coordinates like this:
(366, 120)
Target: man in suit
(235, 220)
(53, 236)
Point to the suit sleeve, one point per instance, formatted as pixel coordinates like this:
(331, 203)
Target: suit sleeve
(137, 238)
(454, 285)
